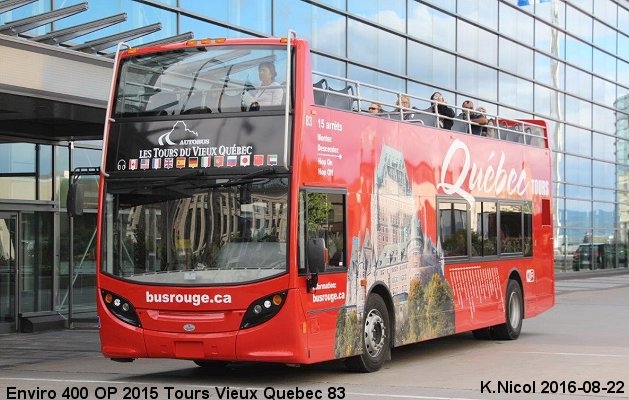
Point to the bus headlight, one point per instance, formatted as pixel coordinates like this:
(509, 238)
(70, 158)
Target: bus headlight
(263, 309)
(121, 308)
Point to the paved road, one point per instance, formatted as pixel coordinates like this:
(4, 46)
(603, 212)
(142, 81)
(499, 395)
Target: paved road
(583, 339)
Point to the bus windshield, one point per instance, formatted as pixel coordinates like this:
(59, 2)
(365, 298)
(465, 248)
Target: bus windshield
(201, 80)
(186, 232)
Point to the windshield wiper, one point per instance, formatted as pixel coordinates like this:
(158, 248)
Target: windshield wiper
(205, 181)
(249, 178)
(263, 173)
(225, 83)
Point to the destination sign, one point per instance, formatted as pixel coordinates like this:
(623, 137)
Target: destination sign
(225, 145)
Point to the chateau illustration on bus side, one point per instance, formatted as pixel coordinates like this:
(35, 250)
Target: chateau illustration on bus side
(397, 252)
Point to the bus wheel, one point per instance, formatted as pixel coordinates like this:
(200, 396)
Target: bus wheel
(376, 339)
(514, 313)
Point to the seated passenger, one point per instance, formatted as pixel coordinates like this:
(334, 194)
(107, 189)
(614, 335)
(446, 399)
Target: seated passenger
(486, 130)
(464, 114)
(477, 119)
(403, 103)
(269, 93)
(439, 106)
(375, 108)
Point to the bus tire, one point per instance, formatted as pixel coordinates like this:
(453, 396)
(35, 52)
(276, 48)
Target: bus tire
(514, 314)
(376, 340)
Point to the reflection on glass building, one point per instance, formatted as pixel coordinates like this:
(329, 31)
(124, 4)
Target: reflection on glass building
(219, 235)
(564, 62)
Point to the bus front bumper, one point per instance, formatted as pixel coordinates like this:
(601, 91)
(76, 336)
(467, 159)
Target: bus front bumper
(282, 339)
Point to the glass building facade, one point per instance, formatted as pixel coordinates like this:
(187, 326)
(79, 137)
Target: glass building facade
(564, 62)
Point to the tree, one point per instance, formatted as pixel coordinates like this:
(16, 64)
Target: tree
(348, 337)
(439, 308)
(416, 310)
(318, 211)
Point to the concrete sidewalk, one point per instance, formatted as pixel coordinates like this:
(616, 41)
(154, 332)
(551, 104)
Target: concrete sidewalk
(30, 348)
(593, 281)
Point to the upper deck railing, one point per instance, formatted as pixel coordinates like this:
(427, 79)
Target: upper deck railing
(346, 94)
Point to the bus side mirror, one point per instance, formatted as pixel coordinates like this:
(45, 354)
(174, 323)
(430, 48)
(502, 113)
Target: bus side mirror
(74, 201)
(316, 254)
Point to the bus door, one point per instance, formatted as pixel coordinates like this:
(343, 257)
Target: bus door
(323, 265)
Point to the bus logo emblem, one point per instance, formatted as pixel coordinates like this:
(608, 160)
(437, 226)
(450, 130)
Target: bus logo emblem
(179, 126)
(189, 327)
(530, 275)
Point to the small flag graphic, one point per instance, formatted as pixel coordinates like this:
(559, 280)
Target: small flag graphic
(245, 160)
(157, 163)
(219, 161)
(271, 159)
(181, 162)
(193, 162)
(232, 161)
(205, 162)
(133, 164)
(258, 160)
(168, 163)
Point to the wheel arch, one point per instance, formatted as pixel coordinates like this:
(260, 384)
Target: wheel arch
(515, 275)
(382, 290)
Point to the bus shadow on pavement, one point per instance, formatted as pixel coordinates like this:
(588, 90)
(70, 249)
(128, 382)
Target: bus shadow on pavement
(278, 374)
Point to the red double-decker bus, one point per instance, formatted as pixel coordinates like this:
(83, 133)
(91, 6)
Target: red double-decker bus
(250, 210)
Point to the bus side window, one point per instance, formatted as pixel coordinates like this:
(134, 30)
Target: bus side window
(322, 226)
(453, 227)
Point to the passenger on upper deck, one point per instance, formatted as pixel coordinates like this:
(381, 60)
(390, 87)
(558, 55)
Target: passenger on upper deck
(486, 129)
(477, 119)
(269, 93)
(375, 108)
(439, 106)
(403, 103)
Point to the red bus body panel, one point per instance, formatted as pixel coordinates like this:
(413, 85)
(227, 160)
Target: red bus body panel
(346, 151)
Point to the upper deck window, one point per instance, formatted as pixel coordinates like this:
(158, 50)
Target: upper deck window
(214, 79)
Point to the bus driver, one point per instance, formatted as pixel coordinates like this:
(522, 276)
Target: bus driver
(269, 93)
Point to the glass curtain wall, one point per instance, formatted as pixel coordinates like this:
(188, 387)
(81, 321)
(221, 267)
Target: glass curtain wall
(34, 179)
(565, 62)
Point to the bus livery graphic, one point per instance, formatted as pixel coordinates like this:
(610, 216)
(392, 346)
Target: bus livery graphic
(409, 264)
